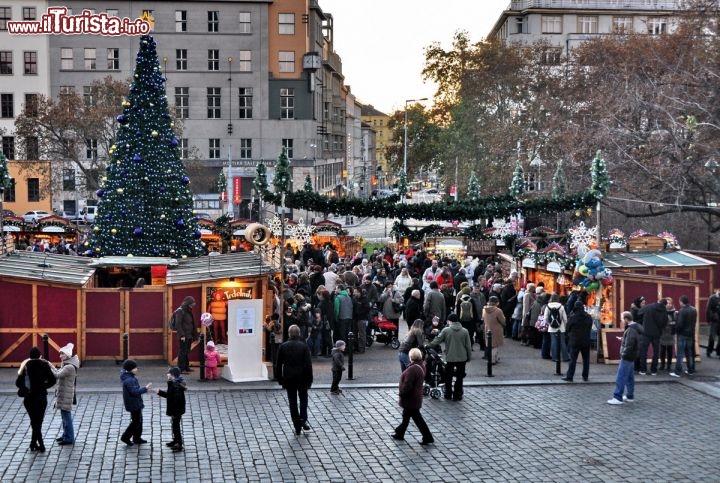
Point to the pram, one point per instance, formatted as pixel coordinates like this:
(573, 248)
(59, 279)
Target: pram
(434, 374)
(383, 331)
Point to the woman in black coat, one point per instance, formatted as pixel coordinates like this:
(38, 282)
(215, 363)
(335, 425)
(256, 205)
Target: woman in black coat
(578, 328)
(41, 378)
(413, 308)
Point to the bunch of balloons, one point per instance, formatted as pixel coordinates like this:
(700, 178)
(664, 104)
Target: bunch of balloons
(590, 272)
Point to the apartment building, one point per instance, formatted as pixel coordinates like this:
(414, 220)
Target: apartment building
(378, 122)
(245, 77)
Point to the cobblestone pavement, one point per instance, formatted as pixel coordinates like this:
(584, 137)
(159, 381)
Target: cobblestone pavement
(564, 433)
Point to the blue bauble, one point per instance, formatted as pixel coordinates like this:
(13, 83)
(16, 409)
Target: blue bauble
(156, 252)
(185, 180)
(100, 193)
(121, 119)
(180, 223)
(137, 231)
(137, 157)
(124, 212)
(108, 217)
(197, 234)
(173, 142)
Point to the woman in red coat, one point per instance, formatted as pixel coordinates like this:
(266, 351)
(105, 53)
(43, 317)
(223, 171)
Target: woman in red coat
(411, 398)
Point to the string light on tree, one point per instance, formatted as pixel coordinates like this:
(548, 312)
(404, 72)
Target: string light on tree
(308, 187)
(473, 189)
(282, 180)
(600, 179)
(517, 185)
(558, 182)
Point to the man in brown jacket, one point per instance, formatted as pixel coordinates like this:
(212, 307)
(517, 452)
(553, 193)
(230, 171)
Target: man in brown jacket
(185, 324)
(411, 398)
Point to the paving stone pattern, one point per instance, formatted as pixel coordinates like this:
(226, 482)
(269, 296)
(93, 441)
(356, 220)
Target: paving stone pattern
(563, 433)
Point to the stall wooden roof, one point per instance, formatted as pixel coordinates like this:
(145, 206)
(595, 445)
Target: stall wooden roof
(215, 267)
(668, 259)
(47, 267)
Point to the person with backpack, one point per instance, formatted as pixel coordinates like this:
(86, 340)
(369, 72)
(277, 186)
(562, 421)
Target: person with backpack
(579, 327)
(467, 315)
(556, 320)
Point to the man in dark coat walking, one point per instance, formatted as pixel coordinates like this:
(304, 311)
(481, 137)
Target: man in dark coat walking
(185, 324)
(578, 330)
(413, 308)
(654, 317)
(411, 398)
(293, 371)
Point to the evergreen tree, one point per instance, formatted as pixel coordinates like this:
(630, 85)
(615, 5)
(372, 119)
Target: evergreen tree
(600, 179)
(282, 180)
(260, 182)
(402, 184)
(558, 182)
(145, 204)
(4, 173)
(517, 185)
(222, 184)
(308, 188)
(473, 189)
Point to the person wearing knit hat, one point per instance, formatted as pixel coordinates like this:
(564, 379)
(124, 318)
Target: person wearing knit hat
(65, 392)
(185, 326)
(34, 378)
(212, 361)
(132, 399)
(338, 366)
(175, 395)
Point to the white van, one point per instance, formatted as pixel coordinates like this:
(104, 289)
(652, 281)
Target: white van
(88, 214)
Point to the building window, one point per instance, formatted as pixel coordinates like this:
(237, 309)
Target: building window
(213, 21)
(67, 62)
(551, 56)
(245, 95)
(214, 148)
(183, 148)
(552, 24)
(33, 189)
(213, 59)
(288, 145)
(10, 192)
(657, 25)
(245, 25)
(31, 105)
(90, 58)
(180, 20)
(7, 105)
(246, 148)
(29, 13)
(182, 102)
(8, 147)
(91, 178)
(286, 23)
(68, 180)
(91, 149)
(287, 103)
(88, 96)
(587, 25)
(6, 62)
(5, 17)
(287, 61)
(213, 103)
(622, 25)
(32, 148)
(113, 59)
(181, 59)
(521, 25)
(112, 12)
(245, 61)
(67, 90)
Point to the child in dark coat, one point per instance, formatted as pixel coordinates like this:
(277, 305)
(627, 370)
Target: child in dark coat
(338, 366)
(175, 396)
(132, 397)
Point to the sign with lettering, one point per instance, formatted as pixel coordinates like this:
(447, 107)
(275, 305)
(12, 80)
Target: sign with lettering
(481, 247)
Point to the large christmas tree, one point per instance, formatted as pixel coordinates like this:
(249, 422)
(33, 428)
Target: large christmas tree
(145, 201)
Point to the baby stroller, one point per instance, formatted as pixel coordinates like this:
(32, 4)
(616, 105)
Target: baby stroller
(383, 331)
(434, 374)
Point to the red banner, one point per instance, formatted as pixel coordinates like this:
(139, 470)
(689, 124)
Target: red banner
(237, 190)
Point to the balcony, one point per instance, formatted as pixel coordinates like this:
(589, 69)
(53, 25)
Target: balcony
(600, 4)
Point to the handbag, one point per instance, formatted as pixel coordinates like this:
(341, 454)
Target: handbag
(23, 384)
(540, 323)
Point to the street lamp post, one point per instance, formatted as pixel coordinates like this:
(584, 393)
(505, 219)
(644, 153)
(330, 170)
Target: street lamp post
(405, 134)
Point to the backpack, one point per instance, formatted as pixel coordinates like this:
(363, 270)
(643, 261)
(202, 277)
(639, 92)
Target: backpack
(466, 311)
(554, 321)
(172, 323)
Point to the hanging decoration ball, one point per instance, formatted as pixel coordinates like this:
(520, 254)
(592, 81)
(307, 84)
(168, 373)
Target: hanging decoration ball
(100, 193)
(113, 231)
(120, 191)
(151, 104)
(154, 133)
(130, 255)
(97, 249)
(137, 231)
(136, 76)
(137, 157)
(107, 216)
(103, 179)
(113, 148)
(197, 234)
(162, 217)
(121, 119)
(156, 252)
(185, 180)
(126, 104)
(118, 163)
(88, 252)
(96, 229)
(127, 145)
(146, 178)
(124, 212)
(172, 124)
(172, 250)
(138, 133)
(180, 223)
(86, 244)
(184, 256)
(173, 142)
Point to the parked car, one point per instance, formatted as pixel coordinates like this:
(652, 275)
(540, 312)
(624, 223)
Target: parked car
(8, 213)
(69, 215)
(203, 216)
(35, 215)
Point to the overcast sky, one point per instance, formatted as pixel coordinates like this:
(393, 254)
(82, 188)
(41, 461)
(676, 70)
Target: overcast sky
(381, 42)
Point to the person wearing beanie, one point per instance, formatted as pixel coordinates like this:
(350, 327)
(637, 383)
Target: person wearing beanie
(132, 398)
(457, 354)
(175, 395)
(185, 324)
(65, 392)
(293, 371)
(338, 366)
(212, 361)
(578, 329)
(34, 378)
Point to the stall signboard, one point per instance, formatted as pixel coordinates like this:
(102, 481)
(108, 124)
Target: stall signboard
(481, 247)
(553, 267)
(528, 263)
(158, 274)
